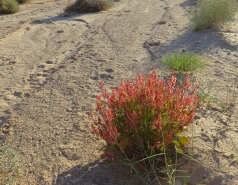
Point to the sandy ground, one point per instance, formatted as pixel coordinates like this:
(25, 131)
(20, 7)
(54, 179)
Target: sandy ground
(50, 65)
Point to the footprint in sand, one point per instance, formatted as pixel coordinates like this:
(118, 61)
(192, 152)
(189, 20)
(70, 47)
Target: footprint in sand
(40, 76)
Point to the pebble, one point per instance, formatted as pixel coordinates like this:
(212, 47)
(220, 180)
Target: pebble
(37, 21)
(162, 22)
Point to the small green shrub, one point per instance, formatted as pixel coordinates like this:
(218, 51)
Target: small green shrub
(9, 163)
(184, 62)
(23, 1)
(141, 120)
(213, 13)
(87, 6)
(8, 6)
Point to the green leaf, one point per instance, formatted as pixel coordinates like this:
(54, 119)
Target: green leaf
(184, 140)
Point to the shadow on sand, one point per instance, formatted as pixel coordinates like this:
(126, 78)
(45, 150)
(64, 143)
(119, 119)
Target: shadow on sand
(97, 173)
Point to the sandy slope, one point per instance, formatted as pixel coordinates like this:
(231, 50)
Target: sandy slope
(50, 65)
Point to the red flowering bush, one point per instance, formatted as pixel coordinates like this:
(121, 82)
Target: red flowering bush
(146, 114)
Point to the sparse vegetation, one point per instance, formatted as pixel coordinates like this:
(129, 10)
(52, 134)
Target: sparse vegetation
(8, 6)
(9, 163)
(23, 1)
(88, 6)
(213, 13)
(184, 62)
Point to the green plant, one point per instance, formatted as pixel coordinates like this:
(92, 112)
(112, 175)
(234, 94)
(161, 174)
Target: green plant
(213, 13)
(9, 162)
(141, 121)
(183, 62)
(23, 1)
(8, 6)
(87, 6)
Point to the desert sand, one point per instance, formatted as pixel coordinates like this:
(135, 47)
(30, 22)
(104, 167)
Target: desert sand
(50, 66)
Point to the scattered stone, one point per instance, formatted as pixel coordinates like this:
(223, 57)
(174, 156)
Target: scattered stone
(150, 43)
(197, 117)
(19, 94)
(69, 109)
(37, 21)
(162, 22)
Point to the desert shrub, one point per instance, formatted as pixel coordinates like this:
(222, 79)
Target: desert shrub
(8, 6)
(184, 62)
(213, 13)
(23, 1)
(144, 118)
(9, 162)
(87, 6)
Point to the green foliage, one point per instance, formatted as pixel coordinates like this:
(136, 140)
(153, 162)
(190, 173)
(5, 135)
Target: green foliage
(9, 163)
(23, 1)
(184, 62)
(213, 13)
(8, 6)
(87, 6)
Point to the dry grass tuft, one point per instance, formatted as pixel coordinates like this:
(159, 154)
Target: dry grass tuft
(10, 163)
(23, 1)
(213, 13)
(8, 6)
(89, 6)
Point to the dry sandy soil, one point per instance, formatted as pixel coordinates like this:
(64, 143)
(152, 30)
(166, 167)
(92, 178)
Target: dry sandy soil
(50, 65)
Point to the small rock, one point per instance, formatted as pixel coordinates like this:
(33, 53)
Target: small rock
(37, 21)
(162, 22)
(197, 117)
(18, 94)
(69, 109)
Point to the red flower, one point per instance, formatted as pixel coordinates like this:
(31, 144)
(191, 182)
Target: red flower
(143, 112)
